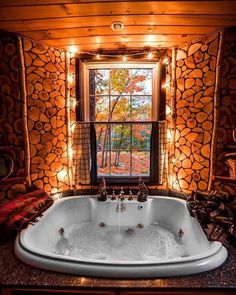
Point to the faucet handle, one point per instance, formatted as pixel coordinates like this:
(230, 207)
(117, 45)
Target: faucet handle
(102, 193)
(113, 197)
(130, 198)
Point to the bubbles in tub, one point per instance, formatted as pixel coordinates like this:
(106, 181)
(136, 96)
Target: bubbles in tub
(89, 241)
(62, 246)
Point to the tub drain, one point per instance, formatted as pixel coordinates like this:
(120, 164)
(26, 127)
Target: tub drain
(102, 224)
(140, 225)
(180, 233)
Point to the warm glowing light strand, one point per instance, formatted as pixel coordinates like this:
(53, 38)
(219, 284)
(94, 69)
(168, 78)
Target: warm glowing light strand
(150, 54)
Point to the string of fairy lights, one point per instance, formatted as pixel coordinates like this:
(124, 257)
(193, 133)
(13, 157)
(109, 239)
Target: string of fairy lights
(150, 55)
(147, 54)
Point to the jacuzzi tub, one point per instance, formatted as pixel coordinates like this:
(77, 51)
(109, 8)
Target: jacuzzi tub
(157, 238)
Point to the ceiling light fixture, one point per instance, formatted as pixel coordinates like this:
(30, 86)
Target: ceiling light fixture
(117, 26)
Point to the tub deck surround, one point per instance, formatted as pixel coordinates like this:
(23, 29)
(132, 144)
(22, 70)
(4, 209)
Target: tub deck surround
(161, 218)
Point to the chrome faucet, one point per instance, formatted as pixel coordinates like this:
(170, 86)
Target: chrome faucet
(143, 191)
(121, 207)
(122, 194)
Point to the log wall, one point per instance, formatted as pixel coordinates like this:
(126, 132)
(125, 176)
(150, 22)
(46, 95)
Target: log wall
(228, 102)
(227, 110)
(190, 103)
(45, 83)
(195, 87)
(11, 132)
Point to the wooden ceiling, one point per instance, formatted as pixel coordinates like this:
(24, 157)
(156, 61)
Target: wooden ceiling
(86, 24)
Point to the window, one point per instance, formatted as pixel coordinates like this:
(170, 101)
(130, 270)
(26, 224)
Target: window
(121, 100)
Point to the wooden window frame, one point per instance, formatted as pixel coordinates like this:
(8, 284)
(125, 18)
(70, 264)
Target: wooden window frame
(82, 114)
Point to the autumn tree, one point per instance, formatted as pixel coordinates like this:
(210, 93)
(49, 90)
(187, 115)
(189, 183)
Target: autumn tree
(110, 100)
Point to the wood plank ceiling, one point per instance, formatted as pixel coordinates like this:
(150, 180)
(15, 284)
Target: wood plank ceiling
(86, 24)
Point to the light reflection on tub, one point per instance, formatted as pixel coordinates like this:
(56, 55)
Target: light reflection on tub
(81, 235)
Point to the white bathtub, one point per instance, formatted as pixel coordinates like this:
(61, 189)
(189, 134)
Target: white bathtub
(192, 253)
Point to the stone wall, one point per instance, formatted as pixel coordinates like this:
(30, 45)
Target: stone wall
(45, 82)
(195, 77)
(11, 132)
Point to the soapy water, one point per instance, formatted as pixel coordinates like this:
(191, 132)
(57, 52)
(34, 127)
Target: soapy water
(89, 241)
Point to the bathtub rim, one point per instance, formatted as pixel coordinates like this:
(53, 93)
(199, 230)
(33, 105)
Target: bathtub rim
(119, 270)
(21, 240)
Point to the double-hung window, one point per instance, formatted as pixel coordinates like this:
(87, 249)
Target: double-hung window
(122, 102)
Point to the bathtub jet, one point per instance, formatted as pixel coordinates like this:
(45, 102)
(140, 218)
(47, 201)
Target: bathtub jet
(161, 240)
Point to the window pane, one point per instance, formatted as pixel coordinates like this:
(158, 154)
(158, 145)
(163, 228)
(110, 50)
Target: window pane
(141, 136)
(141, 81)
(141, 108)
(103, 136)
(103, 162)
(120, 162)
(119, 81)
(140, 163)
(99, 81)
(120, 136)
(101, 108)
(122, 95)
(120, 108)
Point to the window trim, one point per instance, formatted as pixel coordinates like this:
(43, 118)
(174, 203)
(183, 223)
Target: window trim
(83, 115)
(156, 82)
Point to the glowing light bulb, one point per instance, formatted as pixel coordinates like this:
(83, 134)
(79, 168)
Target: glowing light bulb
(72, 127)
(73, 102)
(61, 175)
(169, 135)
(70, 78)
(124, 58)
(98, 56)
(72, 50)
(166, 85)
(150, 55)
(168, 110)
(166, 61)
(70, 153)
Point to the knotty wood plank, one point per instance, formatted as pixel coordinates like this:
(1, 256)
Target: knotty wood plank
(114, 8)
(93, 21)
(128, 30)
(11, 3)
(123, 38)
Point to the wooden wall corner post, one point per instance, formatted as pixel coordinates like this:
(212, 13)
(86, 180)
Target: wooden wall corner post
(216, 111)
(173, 114)
(23, 93)
(68, 120)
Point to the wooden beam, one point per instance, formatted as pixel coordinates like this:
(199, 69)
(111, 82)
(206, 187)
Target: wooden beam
(24, 110)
